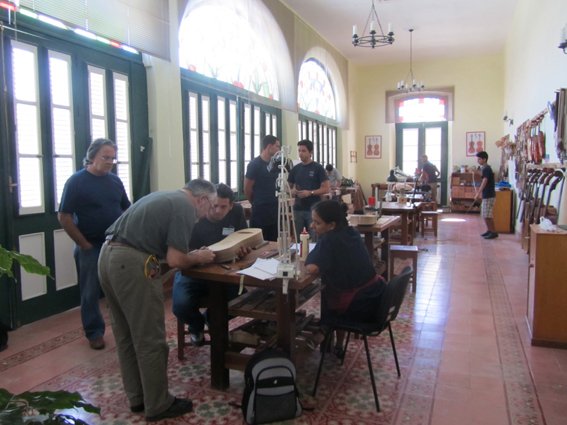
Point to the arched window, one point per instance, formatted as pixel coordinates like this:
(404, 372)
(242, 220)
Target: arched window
(224, 126)
(421, 109)
(241, 56)
(315, 92)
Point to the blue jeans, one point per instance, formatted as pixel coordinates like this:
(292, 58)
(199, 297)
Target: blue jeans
(186, 300)
(89, 285)
(303, 219)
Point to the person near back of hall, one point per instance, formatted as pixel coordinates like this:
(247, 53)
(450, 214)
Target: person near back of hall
(487, 191)
(92, 199)
(334, 176)
(429, 176)
(154, 232)
(308, 181)
(260, 188)
(225, 218)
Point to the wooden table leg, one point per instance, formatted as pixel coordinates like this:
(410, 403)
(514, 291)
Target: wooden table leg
(285, 310)
(412, 227)
(218, 331)
(385, 250)
(369, 242)
(404, 237)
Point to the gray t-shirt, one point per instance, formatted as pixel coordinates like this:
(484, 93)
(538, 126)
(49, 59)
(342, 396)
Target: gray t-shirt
(157, 221)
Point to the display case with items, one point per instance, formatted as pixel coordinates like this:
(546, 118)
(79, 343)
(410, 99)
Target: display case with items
(463, 189)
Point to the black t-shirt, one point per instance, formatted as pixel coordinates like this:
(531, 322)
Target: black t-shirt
(307, 177)
(488, 191)
(264, 200)
(207, 233)
(342, 258)
(431, 170)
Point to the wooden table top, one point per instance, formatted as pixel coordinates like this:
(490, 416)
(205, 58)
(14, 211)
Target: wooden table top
(383, 223)
(228, 272)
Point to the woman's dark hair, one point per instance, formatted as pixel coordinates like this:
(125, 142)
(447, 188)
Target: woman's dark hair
(331, 211)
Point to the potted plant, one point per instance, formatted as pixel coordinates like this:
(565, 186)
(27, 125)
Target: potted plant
(29, 264)
(38, 407)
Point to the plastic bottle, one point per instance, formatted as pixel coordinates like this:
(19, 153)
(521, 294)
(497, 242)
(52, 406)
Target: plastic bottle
(304, 244)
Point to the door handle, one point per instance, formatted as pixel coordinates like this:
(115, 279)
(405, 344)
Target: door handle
(11, 184)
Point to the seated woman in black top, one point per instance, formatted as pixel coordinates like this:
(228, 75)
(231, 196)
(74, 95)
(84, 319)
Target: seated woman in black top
(351, 287)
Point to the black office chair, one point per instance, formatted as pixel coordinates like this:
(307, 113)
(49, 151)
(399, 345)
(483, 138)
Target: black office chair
(389, 306)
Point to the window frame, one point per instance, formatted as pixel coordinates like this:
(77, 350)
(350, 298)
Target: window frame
(324, 137)
(262, 118)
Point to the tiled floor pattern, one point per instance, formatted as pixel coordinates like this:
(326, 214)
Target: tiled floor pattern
(462, 344)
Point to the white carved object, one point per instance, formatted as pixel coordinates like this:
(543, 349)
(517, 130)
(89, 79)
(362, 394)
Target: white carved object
(362, 219)
(227, 249)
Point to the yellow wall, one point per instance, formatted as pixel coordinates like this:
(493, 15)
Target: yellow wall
(478, 92)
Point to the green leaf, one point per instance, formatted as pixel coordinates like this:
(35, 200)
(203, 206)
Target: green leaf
(5, 262)
(30, 264)
(5, 397)
(49, 401)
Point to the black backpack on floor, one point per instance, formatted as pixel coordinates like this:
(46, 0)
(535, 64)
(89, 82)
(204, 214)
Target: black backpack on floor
(270, 394)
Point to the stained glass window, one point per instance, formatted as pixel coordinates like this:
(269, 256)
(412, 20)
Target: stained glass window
(422, 109)
(315, 92)
(238, 54)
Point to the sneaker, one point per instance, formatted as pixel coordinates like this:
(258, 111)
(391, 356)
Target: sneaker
(485, 234)
(97, 343)
(197, 339)
(179, 407)
(491, 235)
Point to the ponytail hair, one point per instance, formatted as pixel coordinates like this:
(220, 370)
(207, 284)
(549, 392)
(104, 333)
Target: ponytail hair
(332, 211)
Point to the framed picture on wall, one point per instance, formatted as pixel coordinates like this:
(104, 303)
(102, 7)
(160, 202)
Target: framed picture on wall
(373, 147)
(474, 142)
(353, 157)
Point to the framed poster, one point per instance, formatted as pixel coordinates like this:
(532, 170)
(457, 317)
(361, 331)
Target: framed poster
(373, 147)
(474, 142)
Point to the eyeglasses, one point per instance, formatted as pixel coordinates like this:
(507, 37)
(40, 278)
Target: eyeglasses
(109, 159)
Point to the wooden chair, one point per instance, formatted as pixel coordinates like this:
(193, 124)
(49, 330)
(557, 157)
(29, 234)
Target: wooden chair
(423, 207)
(402, 253)
(387, 310)
(427, 217)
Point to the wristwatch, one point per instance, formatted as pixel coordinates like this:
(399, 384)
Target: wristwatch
(311, 193)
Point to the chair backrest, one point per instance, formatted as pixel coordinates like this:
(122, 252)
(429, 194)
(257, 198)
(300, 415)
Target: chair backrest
(393, 296)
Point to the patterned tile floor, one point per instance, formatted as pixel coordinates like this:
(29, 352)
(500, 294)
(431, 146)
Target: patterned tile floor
(462, 342)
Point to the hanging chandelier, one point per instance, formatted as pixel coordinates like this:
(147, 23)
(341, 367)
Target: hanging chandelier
(410, 84)
(375, 37)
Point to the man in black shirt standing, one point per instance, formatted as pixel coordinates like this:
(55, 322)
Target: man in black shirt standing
(429, 175)
(486, 189)
(223, 219)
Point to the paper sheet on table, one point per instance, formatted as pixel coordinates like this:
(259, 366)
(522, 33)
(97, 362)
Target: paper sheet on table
(296, 246)
(263, 269)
